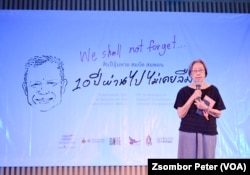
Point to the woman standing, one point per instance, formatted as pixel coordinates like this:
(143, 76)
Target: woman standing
(198, 105)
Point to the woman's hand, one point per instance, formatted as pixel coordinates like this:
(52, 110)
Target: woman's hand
(200, 104)
(197, 94)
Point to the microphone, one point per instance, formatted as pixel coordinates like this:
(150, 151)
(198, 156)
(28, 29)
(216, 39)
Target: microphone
(198, 87)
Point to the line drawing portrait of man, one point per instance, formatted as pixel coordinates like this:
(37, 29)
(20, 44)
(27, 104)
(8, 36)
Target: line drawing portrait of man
(44, 82)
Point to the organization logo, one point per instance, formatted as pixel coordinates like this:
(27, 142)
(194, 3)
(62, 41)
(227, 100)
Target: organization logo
(92, 140)
(115, 141)
(67, 142)
(165, 140)
(148, 141)
(84, 140)
(132, 141)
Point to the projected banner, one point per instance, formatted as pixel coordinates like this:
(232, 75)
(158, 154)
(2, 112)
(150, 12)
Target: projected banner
(97, 88)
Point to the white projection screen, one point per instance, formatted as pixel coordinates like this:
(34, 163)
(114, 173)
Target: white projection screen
(109, 98)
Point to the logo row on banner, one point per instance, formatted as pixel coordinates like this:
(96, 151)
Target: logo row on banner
(68, 141)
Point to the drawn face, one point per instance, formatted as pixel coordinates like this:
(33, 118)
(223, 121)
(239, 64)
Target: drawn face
(44, 86)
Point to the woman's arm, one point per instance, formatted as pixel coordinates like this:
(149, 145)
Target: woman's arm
(183, 110)
(213, 112)
(206, 109)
